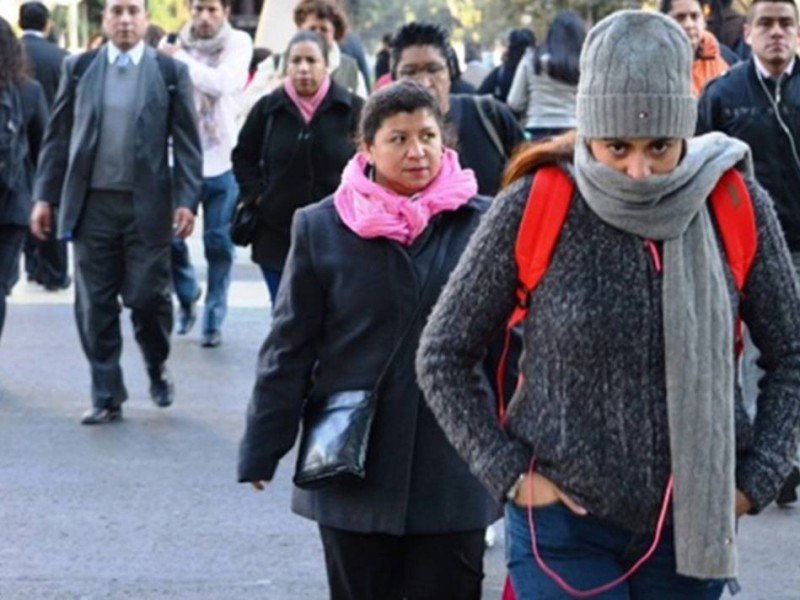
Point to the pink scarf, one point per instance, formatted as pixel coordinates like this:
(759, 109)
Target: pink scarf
(371, 210)
(307, 106)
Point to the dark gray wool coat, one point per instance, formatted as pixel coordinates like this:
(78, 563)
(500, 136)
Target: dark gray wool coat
(343, 303)
(592, 405)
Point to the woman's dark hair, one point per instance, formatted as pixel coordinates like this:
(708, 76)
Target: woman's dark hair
(420, 34)
(519, 40)
(12, 63)
(562, 48)
(326, 10)
(401, 96)
(306, 36)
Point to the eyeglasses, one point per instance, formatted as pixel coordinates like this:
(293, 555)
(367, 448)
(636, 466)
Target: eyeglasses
(433, 70)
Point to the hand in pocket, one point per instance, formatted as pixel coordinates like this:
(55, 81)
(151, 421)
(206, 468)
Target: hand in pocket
(537, 490)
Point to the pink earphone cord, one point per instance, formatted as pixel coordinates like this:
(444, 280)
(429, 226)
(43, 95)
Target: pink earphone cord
(576, 593)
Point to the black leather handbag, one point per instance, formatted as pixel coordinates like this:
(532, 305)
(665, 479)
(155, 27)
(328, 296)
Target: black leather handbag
(244, 220)
(336, 429)
(335, 439)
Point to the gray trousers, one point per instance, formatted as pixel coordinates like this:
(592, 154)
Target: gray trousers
(750, 373)
(112, 260)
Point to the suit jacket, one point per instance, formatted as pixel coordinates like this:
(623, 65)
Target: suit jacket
(45, 59)
(17, 211)
(70, 144)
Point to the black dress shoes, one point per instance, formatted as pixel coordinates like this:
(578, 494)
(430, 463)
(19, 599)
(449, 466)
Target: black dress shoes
(788, 492)
(162, 388)
(58, 286)
(187, 315)
(99, 415)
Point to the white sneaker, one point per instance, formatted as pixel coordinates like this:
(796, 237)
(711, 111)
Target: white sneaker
(490, 537)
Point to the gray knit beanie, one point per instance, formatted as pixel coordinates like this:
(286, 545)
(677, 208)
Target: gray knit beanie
(635, 79)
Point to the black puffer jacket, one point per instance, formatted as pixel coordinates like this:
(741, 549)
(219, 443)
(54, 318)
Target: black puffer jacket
(742, 105)
(299, 164)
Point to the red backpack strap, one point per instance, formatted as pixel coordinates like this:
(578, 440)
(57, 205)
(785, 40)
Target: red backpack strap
(545, 212)
(733, 210)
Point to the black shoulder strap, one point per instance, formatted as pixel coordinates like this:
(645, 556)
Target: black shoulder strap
(262, 159)
(427, 298)
(489, 124)
(165, 64)
(81, 65)
(168, 72)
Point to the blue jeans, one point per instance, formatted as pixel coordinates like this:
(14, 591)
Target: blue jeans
(218, 200)
(273, 280)
(588, 552)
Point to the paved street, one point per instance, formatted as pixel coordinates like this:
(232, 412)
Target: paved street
(149, 507)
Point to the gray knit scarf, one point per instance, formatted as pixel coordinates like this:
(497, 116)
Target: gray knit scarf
(210, 50)
(698, 335)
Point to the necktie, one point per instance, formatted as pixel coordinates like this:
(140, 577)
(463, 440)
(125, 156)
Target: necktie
(123, 60)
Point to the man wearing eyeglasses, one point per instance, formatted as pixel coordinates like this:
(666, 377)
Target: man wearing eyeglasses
(487, 130)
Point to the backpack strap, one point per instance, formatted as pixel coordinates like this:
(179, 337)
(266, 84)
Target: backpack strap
(545, 213)
(168, 73)
(81, 65)
(165, 64)
(488, 123)
(733, 210)
(736, 221)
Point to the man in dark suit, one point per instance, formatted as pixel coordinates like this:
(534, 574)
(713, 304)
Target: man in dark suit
(45, 260)
(104, 165)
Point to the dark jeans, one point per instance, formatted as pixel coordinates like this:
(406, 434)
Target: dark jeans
(273, 280)
(588, 552)
(374, 566)
(11, 239)
(218, 200)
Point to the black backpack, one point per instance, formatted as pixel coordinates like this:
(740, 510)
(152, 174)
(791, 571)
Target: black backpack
(13, 143)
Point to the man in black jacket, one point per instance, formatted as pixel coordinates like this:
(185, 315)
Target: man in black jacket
(758, 101)
(45, 260)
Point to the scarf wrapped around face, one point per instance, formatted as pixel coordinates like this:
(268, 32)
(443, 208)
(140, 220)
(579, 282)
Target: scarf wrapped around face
(371, 210)
(208, 51)
(698, 334)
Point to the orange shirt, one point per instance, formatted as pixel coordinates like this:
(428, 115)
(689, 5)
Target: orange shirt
(708, 63)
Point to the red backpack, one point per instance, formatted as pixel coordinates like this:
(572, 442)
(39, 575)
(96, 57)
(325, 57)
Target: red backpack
(545, 213)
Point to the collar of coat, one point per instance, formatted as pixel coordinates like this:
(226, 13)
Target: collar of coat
(279, 99)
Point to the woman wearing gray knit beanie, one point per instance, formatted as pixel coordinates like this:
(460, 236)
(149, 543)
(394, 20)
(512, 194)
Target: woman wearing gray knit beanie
(625, 457)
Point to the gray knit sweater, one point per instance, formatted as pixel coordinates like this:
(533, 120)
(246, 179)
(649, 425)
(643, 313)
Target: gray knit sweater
(592, 404)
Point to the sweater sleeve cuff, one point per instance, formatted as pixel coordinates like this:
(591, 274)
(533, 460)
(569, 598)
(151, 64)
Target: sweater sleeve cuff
(503, 469)
(758, 481)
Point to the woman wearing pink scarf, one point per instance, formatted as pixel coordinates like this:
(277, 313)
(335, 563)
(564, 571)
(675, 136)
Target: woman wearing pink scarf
(364, 269)
(292, 148)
